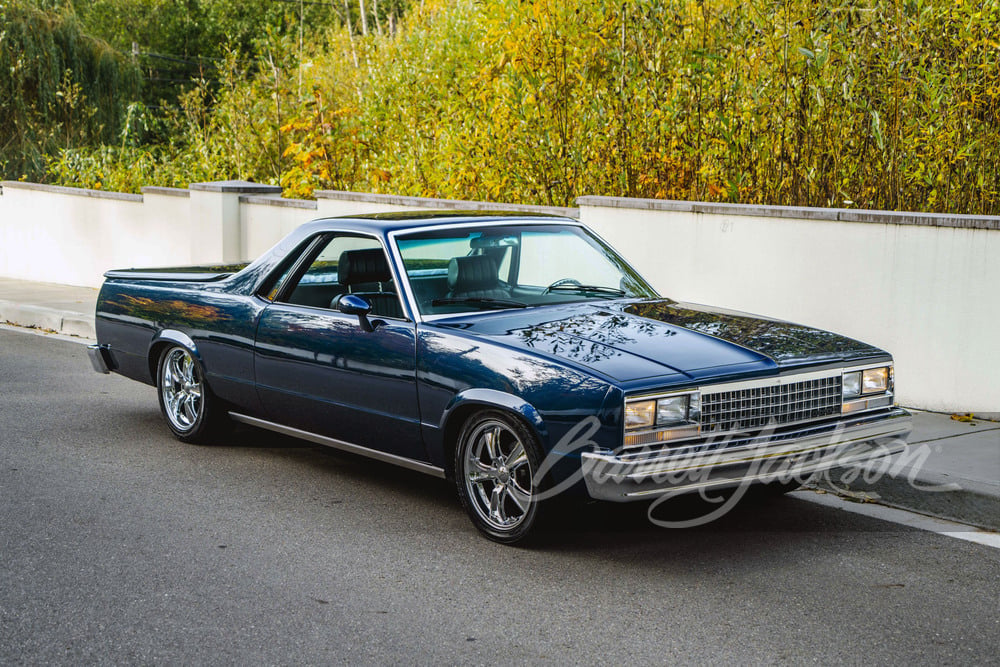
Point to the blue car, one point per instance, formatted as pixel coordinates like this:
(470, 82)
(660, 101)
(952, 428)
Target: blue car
(518, 355)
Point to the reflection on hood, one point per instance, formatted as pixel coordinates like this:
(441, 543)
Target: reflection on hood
(634, 340)
(782, 341)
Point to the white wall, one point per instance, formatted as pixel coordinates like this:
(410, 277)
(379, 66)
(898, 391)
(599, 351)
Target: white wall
(927, 294)
(266, 220)
(72, 237)
(331, 208)
(924, 287)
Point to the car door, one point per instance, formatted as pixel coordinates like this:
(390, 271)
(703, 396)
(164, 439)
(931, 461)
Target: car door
(319, 370)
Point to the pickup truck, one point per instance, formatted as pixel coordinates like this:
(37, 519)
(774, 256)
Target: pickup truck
(519, 356)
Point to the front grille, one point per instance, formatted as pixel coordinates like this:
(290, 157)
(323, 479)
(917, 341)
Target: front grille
(756, 408)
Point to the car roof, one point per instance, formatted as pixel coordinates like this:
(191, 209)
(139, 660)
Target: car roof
(384, 223)
(378, 225)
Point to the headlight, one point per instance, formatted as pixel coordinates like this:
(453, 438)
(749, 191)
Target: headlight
(867, 389)
(671, 411)
(668, 411)
(875, 380)
(661, 419)
(852, 384)
(640, 414)
(866, 382)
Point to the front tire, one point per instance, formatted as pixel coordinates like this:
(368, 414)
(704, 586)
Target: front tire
(768, 490)
(496, 462)
(191, 411)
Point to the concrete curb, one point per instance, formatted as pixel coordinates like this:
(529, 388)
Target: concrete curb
(65, 322)
(961, 500)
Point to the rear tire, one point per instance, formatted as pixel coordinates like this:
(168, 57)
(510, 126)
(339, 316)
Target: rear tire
(496, 462)
(192, 412)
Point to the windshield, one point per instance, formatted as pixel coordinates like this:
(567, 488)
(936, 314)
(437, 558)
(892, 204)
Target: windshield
(513, 266)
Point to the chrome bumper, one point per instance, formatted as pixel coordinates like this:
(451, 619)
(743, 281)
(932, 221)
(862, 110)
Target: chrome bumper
(97, 358)
(634, 475)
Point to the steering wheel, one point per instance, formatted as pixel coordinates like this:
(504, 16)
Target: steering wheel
(561, 281)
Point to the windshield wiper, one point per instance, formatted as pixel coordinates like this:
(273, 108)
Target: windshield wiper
(596, 289)
(485, 302)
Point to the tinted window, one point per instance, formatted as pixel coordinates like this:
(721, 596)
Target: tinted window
(366, 274)
(513, 266)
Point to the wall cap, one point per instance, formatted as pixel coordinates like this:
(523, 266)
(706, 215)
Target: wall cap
(235, 187)
(800, 212)
(168, 192)
(450, 204)
(76, 192)
(273, 200)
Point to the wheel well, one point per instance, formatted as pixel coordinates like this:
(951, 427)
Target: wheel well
(156, 351)
(457, 419)
(154, 357)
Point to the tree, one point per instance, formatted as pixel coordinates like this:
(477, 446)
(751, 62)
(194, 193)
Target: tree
(59, 88)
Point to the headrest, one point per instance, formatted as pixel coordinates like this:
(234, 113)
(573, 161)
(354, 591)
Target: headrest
(363, 266)
(475, 272)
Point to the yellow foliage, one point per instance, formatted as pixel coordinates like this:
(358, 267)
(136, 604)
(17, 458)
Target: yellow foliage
(874, 103)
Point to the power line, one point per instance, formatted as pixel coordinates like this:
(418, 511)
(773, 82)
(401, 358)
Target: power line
(190, 80)
(197, 60)
(207, 61)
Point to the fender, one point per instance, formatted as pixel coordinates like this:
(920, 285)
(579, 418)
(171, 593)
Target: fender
(497, 399)
(170, 336)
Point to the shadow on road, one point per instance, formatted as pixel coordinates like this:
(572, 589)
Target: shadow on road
(578, 524)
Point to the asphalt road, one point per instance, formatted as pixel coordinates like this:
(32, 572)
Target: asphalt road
(120, 545)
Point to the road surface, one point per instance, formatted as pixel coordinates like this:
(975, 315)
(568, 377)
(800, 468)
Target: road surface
(119, 544)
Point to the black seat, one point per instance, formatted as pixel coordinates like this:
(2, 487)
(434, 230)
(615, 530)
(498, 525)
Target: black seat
(358, 267)
(475, 277)
(366, 273)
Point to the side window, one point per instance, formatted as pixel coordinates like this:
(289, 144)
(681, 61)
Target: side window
(347, 265)
(270, 288)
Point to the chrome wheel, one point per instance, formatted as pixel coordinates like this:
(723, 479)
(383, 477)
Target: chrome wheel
(497, 474)
(181, 389)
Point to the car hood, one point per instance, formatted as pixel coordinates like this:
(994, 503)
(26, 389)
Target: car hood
(633, 340)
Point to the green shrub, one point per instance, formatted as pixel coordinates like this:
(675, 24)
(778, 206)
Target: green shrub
(59, 88)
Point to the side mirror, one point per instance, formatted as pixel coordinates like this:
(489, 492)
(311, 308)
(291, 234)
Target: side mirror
(352, 304)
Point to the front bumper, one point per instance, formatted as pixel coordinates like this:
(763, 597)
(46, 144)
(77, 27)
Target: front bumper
(634, 475)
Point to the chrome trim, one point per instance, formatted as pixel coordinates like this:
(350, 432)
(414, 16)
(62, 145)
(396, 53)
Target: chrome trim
(661, 434)
(755, 383)
(332, 311)
(401, 461)
(282, 283)
(661, 394)
(775, 380)
(387, 249)
(856, 406)
(770, 406)
(97, 360)
(622, 478)
(860, 369)
(749, 444)
(865, 367)
(873, 400)
(650, 434)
